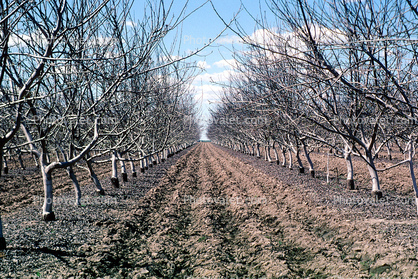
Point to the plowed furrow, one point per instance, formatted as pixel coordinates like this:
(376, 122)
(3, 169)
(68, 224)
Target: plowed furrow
(215, 216)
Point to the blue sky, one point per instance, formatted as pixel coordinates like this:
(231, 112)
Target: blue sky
(198, 29)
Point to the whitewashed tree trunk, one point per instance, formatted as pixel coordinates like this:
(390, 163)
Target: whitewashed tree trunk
(268, 154)
(258, 150)
(47, 213)
(72, 176)
(246, 150)
(157, 157)
(123, 168)
(114, 178)
(1, 158)
(132, 166)
(77, 189)
(328, 167)
(36, 160)
(2, 239)
(150, 163)
(376, 192)
(283, 151)
(411, 170)
(308, 158)
(146, 162)
(350, 171)
(57, 155)
(5, 166)
(289, 152)
(276, 155)
(389, 150)
(95, 179)
(297, 154)
(142, 165)
(22, 165)
(162, 156)
(265, 153)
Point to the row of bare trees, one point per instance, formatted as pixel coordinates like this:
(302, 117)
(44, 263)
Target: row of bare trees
(82, 82)
(336, 74)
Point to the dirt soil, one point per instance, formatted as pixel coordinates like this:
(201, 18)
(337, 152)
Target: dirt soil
(217, 213)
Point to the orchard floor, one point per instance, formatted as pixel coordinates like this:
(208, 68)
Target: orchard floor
(216, 213)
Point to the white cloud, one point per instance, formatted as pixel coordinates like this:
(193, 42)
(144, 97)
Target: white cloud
(207, 93)
(229, 63)
(203, 65)
(215, 77)
(130, 23)
(234, 39)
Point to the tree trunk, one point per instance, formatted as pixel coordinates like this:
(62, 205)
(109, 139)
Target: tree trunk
(123, 169)
(157, 156)
(298, 160)
(350, 172)
(5, 166)
(114, 178)
(146, 162)
(328, 167)
(308, 158)
(57, 155)
(150, 164)
(1, 159)
(163, 156)
(376, 192)
(289, 152)
(2, 240)
(22, 166)
(141, 165)
(36, 161)
(269, 155)
(411, 170)
(297, 154)
(258, 150)
(77, 189)
(283, 151)
(132, 166)
(276, 155)
(95, 180)
(47, 213)
(389, 150)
